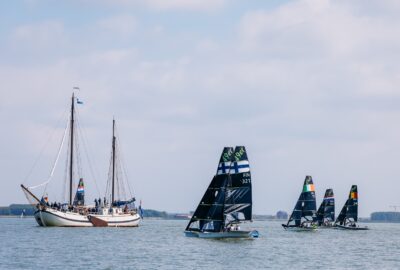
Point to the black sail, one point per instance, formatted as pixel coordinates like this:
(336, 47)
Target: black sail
(238, 201)
(326, 211)
(305, 206)
(79, 199)
(349, 211)
(209, 215)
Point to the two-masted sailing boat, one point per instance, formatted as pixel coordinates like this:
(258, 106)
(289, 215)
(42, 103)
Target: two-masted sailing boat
(304, 213)
(326, 211)
(348, 217)
(75, 213)
(227, 201)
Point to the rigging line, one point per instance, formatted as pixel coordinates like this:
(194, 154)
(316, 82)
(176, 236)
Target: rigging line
(45, 144)
(123, 167)
(86, 148)
(55, 162)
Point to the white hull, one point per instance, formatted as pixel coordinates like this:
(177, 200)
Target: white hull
(54, 218)
(220, 235)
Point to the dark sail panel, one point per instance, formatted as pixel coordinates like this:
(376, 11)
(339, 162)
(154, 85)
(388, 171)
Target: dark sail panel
(209, 213)
(79, 199)
(342, 215)
(349, 211)
(238, 201)
(326, 211)
(352, 206)
(306, 206)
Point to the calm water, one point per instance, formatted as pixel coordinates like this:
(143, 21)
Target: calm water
(161, 244)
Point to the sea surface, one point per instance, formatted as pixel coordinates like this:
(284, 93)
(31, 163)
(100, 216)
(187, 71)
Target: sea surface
(161, 244)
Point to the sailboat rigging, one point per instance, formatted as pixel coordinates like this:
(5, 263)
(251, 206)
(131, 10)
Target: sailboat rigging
(304, 213)
(326, 211)
(227, 201)
(348, 217)
(75, 213)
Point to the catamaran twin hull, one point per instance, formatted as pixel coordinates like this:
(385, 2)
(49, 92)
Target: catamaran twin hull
(219, 235)
(51, 217)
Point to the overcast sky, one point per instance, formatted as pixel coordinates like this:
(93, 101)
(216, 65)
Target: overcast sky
(309, 87)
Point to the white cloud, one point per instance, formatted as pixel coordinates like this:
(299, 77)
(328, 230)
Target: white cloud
(170, 5)
(40, 35)
(124, 25)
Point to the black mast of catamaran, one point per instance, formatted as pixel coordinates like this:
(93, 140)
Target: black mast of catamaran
(71, 150)
(113, 164)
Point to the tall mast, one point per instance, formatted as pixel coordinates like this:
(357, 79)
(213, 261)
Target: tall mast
(71, 150)
(113, 163)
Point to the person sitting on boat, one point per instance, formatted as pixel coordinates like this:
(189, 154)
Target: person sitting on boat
(126, 209)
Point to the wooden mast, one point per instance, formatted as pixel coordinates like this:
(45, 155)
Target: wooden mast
(71, 150)
(113, 164)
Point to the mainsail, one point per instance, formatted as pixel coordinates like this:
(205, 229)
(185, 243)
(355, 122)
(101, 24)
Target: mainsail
(79, 199)
(349, 211)
(238, 198)
(326, 211)
(306, 205)
(209, 215)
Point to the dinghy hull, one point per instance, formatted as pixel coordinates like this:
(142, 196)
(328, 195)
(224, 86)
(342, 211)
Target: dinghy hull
(223, 235)
(299, 229)
(356, 228)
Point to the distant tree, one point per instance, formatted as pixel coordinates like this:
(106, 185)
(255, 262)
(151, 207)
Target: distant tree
(281, 215)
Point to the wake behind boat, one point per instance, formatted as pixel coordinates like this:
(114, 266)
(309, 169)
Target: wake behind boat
(227, 201)
(75, 213)
(304, 213)
(326, 211)
(348, 217)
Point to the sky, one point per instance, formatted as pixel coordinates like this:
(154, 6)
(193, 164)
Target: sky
(309, 87)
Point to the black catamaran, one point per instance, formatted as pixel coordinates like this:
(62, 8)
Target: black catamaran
(304, 212)
(227, 201)
(326, 211)
(348, 217)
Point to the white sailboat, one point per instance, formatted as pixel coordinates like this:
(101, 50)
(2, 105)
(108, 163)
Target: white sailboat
(75, 213)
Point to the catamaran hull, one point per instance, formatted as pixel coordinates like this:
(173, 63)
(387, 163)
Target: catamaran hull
(55, 218)
(222, 235)
(341, 227)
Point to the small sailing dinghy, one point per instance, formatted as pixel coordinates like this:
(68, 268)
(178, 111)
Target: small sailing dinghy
(304, 213)
(75, 213)
(227, 201)
(326, 211)
(348, 217)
